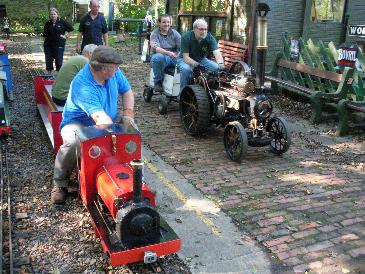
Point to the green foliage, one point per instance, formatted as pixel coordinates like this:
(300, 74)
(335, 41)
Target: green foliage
(130, 9)
(29, 24)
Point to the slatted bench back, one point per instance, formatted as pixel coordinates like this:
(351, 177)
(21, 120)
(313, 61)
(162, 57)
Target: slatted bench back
(232, 52)
(306, 76)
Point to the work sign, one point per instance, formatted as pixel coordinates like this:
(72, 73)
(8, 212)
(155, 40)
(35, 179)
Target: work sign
(347, 57)
(356, 30)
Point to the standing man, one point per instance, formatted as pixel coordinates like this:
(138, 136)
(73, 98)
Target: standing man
(165, 43)
(67, 73)
(93, 28)
(93, 100)
(196, 45)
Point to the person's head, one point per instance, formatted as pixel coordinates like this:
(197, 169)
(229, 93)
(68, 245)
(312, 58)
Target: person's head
(105, 61)
(200, 28)
(94, 7)
(88, 50)
(53, 14)
(164, 22)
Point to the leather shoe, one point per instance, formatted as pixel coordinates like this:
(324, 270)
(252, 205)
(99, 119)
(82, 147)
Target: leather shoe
(58, 195)
(158, 87)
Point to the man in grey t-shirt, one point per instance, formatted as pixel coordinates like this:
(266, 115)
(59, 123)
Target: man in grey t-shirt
(165, 43)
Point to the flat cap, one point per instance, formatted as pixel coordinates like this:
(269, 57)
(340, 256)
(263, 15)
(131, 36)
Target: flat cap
(107, 55)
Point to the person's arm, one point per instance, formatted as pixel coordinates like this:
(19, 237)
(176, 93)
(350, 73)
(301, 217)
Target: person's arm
(101, 118)
(106, 39)
(128, 107)
(165, 52)
(189, 61)
(218, 57)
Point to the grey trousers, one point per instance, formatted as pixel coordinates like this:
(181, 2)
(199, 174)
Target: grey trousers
(66, 156)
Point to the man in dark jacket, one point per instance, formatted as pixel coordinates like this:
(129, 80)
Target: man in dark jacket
(93, 28)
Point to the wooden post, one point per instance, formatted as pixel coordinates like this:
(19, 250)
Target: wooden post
(251, 33)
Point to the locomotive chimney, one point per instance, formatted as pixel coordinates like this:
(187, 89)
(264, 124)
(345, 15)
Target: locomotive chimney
(262, 9)
(137, 166)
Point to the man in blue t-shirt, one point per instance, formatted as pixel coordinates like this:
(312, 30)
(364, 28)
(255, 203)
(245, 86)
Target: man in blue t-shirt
(92, 100)
(93, 28)
(196, 45)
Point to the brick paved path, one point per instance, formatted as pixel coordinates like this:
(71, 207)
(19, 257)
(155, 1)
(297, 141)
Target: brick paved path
(306, 207)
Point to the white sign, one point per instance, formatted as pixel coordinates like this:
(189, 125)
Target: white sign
(356, 30)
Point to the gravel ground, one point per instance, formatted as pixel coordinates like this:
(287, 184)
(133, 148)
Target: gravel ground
(49, 239)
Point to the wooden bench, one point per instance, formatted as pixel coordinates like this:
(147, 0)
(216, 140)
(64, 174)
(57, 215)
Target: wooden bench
(323, 88)
(51, 113)
(232, 52)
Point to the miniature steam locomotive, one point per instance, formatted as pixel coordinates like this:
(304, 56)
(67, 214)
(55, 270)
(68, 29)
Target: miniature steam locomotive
(6, 86)
(120, 203)
(232, 100)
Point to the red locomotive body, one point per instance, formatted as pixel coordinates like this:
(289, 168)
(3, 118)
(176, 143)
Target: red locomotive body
(120, 203)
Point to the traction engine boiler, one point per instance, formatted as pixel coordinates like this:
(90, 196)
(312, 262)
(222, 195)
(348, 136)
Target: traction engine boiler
(119, 201)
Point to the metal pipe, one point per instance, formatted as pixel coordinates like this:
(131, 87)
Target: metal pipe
(137, 166)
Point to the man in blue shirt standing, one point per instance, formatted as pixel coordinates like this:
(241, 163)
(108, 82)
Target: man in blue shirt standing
(92, 100)
(93, 28)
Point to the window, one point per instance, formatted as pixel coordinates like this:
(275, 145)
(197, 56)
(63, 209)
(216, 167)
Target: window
(328, 10)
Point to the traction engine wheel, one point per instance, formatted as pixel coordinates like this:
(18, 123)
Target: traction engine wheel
(235, 141)
(194, 109)
(280, 133)
(147, 94)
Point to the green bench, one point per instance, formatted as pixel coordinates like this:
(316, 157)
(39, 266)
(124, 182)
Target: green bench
(323, 88)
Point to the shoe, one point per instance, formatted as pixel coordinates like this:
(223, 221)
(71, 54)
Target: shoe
(158, 87)
(58, 195)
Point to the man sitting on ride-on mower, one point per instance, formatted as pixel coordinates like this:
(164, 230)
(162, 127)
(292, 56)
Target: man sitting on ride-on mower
(196, 45)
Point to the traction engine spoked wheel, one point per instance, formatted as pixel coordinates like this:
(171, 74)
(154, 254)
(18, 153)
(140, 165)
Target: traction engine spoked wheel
(162, 106)
(279, 130)
(147, 94)
(235, 141)
(194, 109)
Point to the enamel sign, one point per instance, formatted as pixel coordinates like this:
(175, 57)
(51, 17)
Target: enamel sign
(356, 30)
(347, 57)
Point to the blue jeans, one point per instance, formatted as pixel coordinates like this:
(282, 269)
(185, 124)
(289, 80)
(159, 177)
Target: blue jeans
(53, 53)
(159, 62)
(186, 71)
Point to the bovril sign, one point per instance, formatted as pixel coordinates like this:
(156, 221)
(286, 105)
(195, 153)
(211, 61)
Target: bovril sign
(356, 30)
(347, 57)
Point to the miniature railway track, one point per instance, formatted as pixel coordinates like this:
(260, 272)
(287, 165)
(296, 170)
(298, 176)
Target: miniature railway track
(6, 246)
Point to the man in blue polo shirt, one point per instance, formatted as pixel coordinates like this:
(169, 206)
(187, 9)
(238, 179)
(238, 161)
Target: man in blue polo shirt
(93, 28)
(196, 45)
(92, 100)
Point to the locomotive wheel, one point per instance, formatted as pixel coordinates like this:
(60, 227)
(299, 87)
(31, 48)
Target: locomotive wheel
(235, 141)
(147, 94)
(194, 109)
(280, 133)
(162, 106)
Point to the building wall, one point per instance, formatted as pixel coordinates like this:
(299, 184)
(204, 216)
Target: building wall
(284, 16)
(356, 11)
